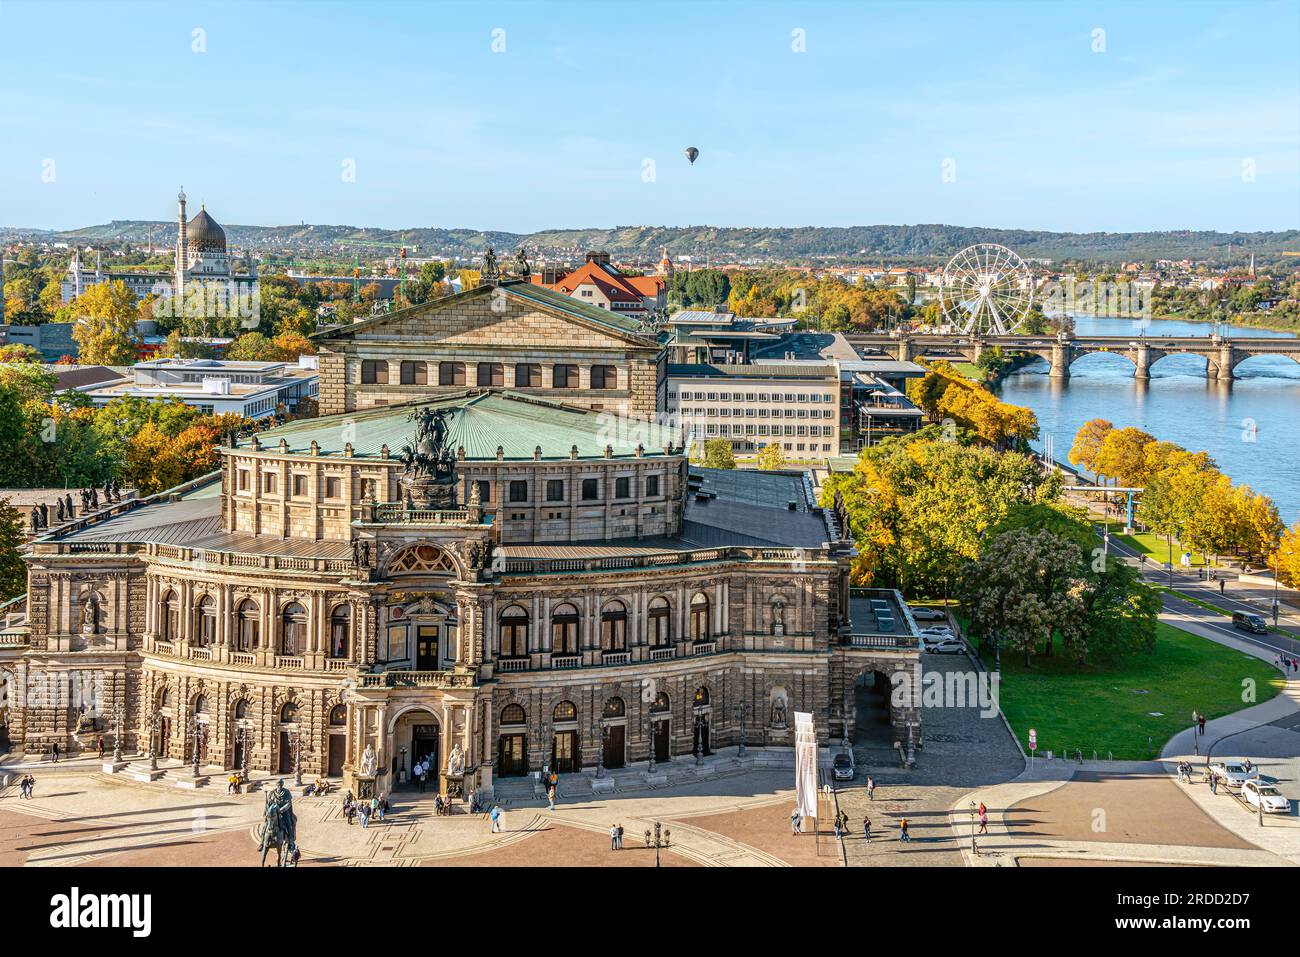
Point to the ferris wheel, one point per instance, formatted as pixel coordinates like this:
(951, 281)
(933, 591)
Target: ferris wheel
(986, 289)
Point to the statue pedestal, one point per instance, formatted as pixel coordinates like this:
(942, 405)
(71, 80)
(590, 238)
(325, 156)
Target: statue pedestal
(144, 774)
(453, 787)
(192, 781)
(778, 735)
(113, 767)
(365, 787)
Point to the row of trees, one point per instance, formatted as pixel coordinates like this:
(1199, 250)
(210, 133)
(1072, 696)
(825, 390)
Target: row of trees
(63, 441)
(946, 395)
(1185, 496)
(935, 513)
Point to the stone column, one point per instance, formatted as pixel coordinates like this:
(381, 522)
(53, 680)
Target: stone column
(1225, 362)
(1061, 361)
(1142, 361)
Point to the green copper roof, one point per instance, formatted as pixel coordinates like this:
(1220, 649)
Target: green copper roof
(482, 420)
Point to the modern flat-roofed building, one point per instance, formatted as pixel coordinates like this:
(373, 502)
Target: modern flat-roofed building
(252, 389)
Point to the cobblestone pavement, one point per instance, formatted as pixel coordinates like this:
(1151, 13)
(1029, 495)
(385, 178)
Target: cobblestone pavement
(963, 750)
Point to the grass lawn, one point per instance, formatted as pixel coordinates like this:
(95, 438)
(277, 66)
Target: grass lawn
(1154, 546)
(1109, 707)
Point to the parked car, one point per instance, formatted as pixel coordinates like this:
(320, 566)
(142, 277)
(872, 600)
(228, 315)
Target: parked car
(1258, 793)
(929, 614)
(842, 767)
(1233, 773)
(1246, 621)
(939, 631)
(946, 646)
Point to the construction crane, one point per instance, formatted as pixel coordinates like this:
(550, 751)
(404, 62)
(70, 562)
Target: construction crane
(401, 257)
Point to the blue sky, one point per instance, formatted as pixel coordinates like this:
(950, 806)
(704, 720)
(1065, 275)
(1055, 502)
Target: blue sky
(555, 131)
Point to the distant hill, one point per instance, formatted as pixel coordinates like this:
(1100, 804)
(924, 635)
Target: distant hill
(922, 242)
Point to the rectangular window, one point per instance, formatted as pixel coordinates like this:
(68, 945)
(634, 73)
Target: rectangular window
(651, 486)
(491, 374)
(374, 371)
(604, 377)
(564, 377)
(590, 489)
(415, 373)
(397, 643)
(484, 491)
(300, 486)
(333, 488)
(268, 482)
(518, 491)
(528, 375)
(243, 480)
(622, 488)
(555, 490)
(451, 373)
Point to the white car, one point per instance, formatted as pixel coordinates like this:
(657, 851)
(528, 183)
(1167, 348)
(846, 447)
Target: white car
(929, 614)
(1233, 773)
(942, 645)
(1258, 793)
(939, 630)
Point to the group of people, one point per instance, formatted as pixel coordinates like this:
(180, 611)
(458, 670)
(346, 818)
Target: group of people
(616, 837)
(25, 785)
(421, 772)
(1185, 772)
(1287, 663)
(1198, 722)
(374, 809)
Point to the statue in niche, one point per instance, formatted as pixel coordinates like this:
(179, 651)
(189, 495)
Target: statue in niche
(369, 762)
(90, 614)
(778, 711)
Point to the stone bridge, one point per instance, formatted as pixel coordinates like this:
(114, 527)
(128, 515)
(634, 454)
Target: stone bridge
(1222, 354)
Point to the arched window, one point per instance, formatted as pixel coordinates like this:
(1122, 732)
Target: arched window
(451, 373)
(564, 630)
(339, 715)
(701, 696)
(289, 713)
(660, 703)
(170, 624)
(206, 623)
(241, 710)
(293, 630)
(340, 631)
(165, 699)
(613, 627)
(565, 711)
(514, 632)
(249, 621)
(513, 714)
(660, 623)
(700, 617)
(614, 708)
(201, 705)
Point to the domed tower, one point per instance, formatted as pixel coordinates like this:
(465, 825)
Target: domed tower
(205, 247)
(665, 265)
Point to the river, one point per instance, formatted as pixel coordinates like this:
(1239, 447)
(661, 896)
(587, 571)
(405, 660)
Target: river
(1179, 404)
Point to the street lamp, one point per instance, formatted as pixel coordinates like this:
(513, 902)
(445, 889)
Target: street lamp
(154, 718)
(117, 733)
(699, 737)
(295, 737)
(658, 839)
(650, 737)
(244, 735)
(194, 743)
(741, 710)
(600, 754)
(973, 848)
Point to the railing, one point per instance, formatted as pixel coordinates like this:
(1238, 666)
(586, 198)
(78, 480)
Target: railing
(512, 664)
(164, 648)
(243, 658)
(661, 654)
(14, 641)
(421, 516)
(615, 657)
(540, 566)
(417, 679)
(566, 661)
(882, 641)
(201, 654)
(288, 661)
(704, 647)
(337, 664)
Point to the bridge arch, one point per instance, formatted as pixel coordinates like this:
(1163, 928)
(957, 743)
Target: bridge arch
(1269, 363)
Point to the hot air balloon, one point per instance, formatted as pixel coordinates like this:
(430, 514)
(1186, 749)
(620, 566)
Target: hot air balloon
(691, 153)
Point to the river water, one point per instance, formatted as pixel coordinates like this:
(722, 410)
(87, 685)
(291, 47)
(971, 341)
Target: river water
(1179, 404)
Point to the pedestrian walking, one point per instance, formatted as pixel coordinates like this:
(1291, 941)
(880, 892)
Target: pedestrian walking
(1222, 586)
(364, 811)
(866, 828)
(496, 815)
(984, 818)
(619, 837)
(56, 752)
(101, 747)
(613, 837)
(871, 788)
(902, 832)
(550, 797)
(1214, 783)
(839, 831)
(1202, 725)
(795, 822)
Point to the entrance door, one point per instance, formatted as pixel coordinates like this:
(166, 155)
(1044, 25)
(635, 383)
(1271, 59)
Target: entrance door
(164, 736)
(661, 740)
(286, 753)
(239, 750)
(338, 753)
(565, 758)
(426, 648)
(424, 741)
(701, 735)
(614, 750)
(512, 760)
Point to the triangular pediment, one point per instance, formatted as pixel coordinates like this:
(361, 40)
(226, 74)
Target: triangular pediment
(520, 313)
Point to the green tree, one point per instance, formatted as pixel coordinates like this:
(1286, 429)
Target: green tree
(718, 454)
(13, 570)
(772, 458)
(105, 327)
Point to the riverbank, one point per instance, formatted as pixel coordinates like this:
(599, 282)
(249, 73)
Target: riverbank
(1241, 319)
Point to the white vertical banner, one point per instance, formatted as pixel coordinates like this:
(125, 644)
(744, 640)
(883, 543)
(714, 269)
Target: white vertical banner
(805, 764)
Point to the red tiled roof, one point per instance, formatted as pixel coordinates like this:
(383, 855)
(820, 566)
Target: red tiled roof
(616, 286)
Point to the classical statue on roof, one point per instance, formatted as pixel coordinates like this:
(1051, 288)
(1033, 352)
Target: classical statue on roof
(428, 464)
(489, 272)
(522, 269)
